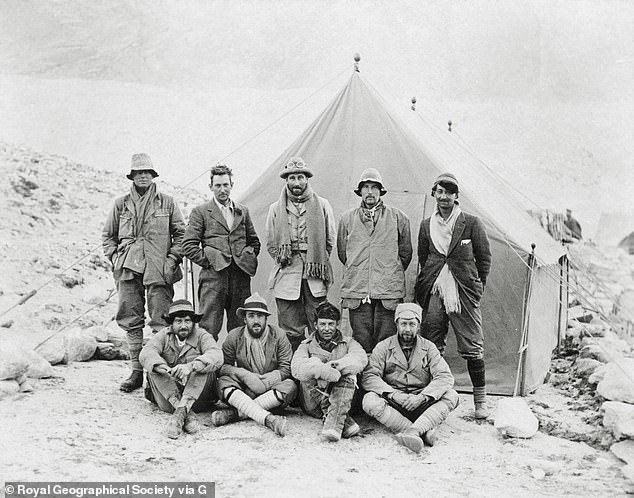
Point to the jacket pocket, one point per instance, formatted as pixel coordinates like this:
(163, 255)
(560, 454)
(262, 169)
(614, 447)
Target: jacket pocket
(162, 221)
(172, 272)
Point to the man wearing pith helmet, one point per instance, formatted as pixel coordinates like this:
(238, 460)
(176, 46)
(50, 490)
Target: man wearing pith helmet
(300, 237)
(454, 260)
(181, 361)
(375, 246)
(408, 383)
(142, 239)
(256, 375)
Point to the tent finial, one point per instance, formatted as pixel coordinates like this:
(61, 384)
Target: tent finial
(449, 123)
(413, 103)
(357, 58)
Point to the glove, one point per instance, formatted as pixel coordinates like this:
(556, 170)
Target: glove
(329, 374)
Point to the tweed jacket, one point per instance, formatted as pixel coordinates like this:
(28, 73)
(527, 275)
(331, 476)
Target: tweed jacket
(211, 244)
(163, 349)
(468, 258)
(388, 370)
(144, 249)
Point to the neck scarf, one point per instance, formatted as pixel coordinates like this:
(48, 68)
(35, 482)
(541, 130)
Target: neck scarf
(316, 265)
(445, 285)
(371, 214)
(255, 350)
(141, 205)
(331, 344)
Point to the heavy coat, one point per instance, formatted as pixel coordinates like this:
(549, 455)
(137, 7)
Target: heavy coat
(374, 259)
(350, 357)
(426, 371)
(468, 258)
(163, 349)
(221, 244)
(148, 248)
(286, 281)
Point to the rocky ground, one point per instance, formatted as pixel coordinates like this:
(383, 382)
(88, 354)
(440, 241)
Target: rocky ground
(78, 426)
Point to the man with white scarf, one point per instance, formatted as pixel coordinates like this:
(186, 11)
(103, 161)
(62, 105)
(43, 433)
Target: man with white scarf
(256, 375)
(454, 261)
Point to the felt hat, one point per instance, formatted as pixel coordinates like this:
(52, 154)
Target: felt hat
(407, 311)
(141, 162)
(253, 303)
(448, 178)
(370, 175)
(181, 306)
(296, 165)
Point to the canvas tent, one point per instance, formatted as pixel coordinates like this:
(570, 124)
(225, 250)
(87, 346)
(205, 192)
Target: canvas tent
(358, 130)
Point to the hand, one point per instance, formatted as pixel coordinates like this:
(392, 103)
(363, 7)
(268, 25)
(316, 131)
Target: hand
(181, 372)
(414, 401)
(398, 397)
(161, 369)
(197, 365)
(330, 374)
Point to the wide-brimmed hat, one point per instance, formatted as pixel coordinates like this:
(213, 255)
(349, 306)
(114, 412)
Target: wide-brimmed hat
(253, 303)
(294, 166)
(141, 162)
(181, 306)
(447, 178)
(370, 175)
(407, 311)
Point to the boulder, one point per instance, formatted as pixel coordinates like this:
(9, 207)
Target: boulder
(595, 352)
(585, 367)
(53, 350)
(598, 375)
(619, 418)
(79, 346)
(514, 418)
(628, 472)
(617, 383)
(624, 450)
(39, 368)
(117, 337)
(99, 333)
(108, 351)
(13, 363)
(8, 388)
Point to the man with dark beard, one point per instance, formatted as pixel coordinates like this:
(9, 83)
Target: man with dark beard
(409, 385)
(300, 237)
(375, 246)
(181, 361)
(256, 375)
(142, 239)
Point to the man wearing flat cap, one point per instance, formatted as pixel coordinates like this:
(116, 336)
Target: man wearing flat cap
(409, 385)
(256, 375)
(300, 237)
(181, 361)
(142, 239)
(327, 365)
(454, 262)
(221, 239)
(374, 244)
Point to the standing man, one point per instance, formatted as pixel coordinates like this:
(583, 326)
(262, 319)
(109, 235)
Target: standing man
(300, 237)
(256, 375)
(573, 225)
(327, 365)
(408, 383)
(221, 239)
(375, 246)
(454, 261)
(181, 361)
(142, 239)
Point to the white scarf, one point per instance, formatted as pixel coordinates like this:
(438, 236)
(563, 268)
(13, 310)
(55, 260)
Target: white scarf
(441, 231)
(255, 350)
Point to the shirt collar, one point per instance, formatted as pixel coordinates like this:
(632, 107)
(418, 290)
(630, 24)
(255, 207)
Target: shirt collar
(229, 206)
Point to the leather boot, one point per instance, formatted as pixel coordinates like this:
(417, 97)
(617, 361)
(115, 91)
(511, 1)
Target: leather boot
(411, 440)
(430, 437)
(191, 423)
(350, 428)
(175, 425)
(277, 424)
(133, 382)
(224, 416)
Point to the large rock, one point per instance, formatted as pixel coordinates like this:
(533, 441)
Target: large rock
(624, 450)
(618, 381)
(13, 363)
(98, 332)
(79, 346)
(53, 350)
(108, 351)
(585, 367)
(117, 337)
(8, 388)
(619, 418)
(39, 368)
(595, 352)
(514, 418)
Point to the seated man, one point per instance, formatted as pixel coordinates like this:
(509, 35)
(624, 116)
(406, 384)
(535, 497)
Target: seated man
(326, 366)
(181, 361)
(256, 375)
(409, 384)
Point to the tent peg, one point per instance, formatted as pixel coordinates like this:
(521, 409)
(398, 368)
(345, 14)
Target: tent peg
(413, 103)
(449, 124)
(357, 59)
